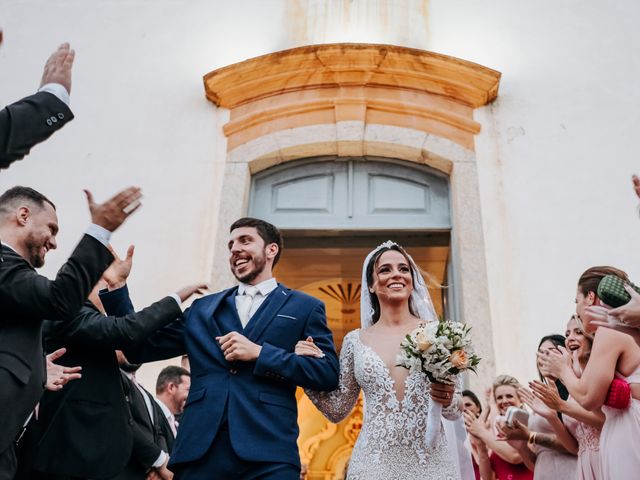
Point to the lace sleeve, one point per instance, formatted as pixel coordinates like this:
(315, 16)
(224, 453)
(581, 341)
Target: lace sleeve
(454, 411)
(337, 405)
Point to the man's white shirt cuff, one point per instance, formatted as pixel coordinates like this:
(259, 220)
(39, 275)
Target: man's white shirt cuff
(57, 90)
(99, 233)
(176, 298)
(161, 459)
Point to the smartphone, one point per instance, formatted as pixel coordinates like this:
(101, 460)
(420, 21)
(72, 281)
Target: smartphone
(515, 413)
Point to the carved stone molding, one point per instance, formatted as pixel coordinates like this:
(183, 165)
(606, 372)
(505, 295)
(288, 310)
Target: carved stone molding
(365, 83)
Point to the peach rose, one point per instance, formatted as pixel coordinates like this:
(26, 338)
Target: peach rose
(459, 359)
(422, 342)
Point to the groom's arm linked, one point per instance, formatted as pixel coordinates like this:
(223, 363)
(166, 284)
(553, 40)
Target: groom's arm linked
(321, 374)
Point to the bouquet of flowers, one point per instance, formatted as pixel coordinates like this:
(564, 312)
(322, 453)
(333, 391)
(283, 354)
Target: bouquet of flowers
(440, 349)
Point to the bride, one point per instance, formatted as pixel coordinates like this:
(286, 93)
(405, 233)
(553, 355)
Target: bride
(391, 444)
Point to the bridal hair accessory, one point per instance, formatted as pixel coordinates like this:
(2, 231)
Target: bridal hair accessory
(420, 301)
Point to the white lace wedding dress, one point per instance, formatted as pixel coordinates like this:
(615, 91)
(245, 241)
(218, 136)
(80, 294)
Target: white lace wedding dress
(391, 444)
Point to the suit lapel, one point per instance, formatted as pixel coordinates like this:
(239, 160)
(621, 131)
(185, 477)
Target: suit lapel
(266, 313)
(210, 309)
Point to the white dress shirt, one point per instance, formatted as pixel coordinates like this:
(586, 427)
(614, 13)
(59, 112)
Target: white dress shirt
(58, 90)
(168, 415)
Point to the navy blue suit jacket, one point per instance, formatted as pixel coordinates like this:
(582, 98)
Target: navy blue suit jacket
(257, 399)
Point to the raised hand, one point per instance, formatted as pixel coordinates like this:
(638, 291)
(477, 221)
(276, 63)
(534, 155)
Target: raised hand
(112, 213)
(474, 425)
(628, 314)
(59, 375)
(555, 363)
(58, 67)
(118, 272)
(236, 346)
(186, 292)
(308, 348)
(547, 393)
(535, 403)
(600, 316)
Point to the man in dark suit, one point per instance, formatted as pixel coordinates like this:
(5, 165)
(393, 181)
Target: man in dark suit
(240, 418)
(35, 118)
(87, 430)
(28, 228)
(150, 453)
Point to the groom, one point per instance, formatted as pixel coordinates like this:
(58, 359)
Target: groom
(240, 418)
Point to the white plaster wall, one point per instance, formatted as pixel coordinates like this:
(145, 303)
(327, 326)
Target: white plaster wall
(554, 157)
(141, 118)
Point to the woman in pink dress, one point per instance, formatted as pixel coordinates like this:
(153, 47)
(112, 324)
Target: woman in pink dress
(545, 442)
(585, 426)
(613, 354)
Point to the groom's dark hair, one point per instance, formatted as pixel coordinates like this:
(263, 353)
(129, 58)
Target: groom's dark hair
(268, 232)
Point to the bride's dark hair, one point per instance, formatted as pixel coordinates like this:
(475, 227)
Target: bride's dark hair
(371, 265)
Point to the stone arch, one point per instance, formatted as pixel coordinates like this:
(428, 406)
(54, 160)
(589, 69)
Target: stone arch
(362, 100)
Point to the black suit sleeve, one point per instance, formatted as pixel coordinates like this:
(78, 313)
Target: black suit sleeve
(144, 451)
(90, 327)
(168, 342)
(28, 122)
(25, 294)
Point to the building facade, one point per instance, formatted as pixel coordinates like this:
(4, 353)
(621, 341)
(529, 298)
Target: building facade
(493, 138)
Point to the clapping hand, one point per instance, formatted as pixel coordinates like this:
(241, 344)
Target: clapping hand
(547, 393)
(112, 213)
(555, 363)
(118, 272)
(308, 348)
(58, 67)
(475, 426)
(535, 403)
(59, 375)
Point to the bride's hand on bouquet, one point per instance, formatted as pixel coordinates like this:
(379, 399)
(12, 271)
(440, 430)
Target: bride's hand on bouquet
(308, 348)
(442, 393)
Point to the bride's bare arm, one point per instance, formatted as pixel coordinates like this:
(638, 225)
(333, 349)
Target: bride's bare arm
(336, 405)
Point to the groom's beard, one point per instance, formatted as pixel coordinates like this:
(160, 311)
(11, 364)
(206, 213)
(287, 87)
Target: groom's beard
(259, 264)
